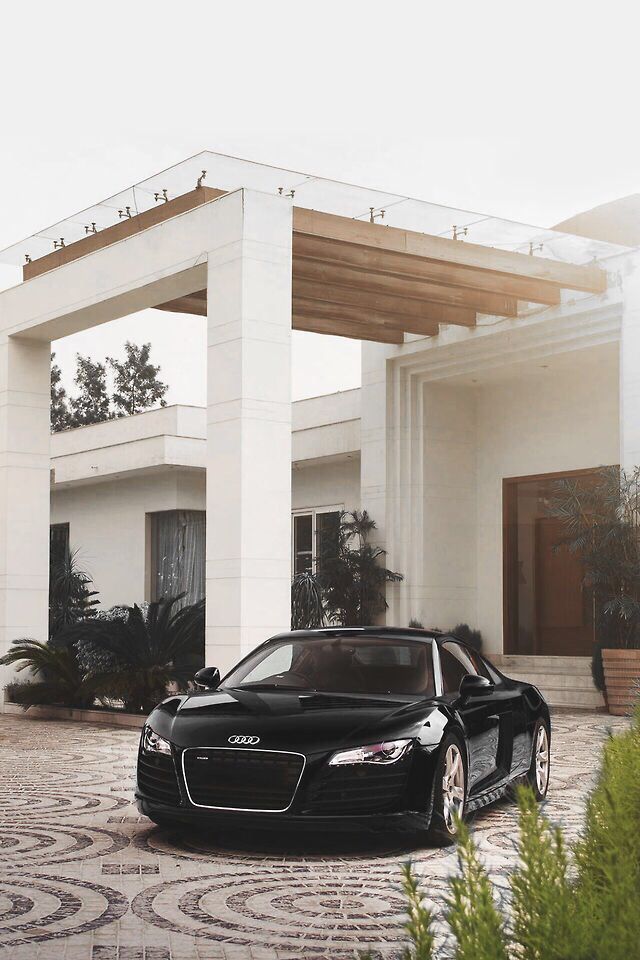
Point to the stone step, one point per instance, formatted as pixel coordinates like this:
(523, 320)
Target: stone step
(565, 682)
(574, 666)
(555, 680)
(579, 699)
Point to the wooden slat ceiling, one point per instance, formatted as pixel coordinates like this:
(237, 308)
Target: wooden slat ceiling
(372, 282)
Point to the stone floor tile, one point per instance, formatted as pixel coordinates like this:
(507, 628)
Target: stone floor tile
(84, 877)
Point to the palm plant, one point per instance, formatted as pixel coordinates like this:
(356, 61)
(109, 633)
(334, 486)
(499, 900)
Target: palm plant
(70, 596)
(134, 659)
(61, 679)
(307, 608)
(354, 579)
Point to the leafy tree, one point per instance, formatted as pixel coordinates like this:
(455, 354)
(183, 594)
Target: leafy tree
(137, 386)
(59, 410)
(353, 580)
(91, 404)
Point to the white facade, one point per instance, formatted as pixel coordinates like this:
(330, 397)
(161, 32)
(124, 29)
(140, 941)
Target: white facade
(440, 423)
(107, 479)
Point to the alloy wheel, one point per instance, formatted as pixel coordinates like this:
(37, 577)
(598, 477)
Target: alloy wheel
(452, 787)
(542, 760)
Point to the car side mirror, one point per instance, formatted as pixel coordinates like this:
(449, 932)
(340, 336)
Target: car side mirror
(208, 677)
(473, 685)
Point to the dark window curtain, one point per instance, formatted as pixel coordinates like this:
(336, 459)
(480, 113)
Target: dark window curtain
(58, 542)
(178, 554)
(327, 537)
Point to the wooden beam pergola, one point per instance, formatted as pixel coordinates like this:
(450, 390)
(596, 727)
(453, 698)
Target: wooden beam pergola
(353, 278)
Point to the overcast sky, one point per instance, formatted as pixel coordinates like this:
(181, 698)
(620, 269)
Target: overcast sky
(524, 110)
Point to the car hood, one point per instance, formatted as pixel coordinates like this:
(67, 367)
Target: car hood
(305, 722)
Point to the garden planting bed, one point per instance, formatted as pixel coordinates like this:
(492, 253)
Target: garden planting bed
(114, 718)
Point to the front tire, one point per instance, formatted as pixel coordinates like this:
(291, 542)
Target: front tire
(449, 792)
(538, 775)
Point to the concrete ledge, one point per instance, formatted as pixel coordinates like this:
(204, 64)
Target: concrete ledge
(107, 717)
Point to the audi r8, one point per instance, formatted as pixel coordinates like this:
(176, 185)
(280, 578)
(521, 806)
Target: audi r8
(345, 728)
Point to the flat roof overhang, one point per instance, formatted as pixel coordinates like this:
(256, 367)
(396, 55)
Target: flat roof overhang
(371, 281)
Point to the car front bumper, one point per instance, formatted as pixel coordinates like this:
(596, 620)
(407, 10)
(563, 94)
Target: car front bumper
(401, 821)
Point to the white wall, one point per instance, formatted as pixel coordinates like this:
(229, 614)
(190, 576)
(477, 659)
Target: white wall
(107, 519)
(561, 415)
(329, 484)
(107, 524)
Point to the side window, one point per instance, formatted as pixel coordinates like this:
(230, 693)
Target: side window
(456, 664)
(486, 670)
(303, 543)
(479, 663)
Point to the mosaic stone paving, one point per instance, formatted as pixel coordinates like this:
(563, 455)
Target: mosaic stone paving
(83, 877)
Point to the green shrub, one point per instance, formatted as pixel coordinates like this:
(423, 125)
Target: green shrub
(580, 907)
(543, 908)
(135, 657)
(59, 678)
(307, 607)
(608, 854)
(472, 914)
(70, 597)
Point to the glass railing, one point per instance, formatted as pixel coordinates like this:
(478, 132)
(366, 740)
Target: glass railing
(330, 196)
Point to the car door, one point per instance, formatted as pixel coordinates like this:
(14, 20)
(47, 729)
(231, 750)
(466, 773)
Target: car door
(485, 717)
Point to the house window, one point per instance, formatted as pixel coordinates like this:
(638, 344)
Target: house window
(315, 538)
(58, 543)
(178, 554)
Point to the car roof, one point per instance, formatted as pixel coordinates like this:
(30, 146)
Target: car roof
(406, 633)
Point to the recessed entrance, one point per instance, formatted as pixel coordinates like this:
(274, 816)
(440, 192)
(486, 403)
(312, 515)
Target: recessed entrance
(547, 609)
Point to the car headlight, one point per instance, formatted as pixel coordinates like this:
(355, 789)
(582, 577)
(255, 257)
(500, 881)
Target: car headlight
(388, 752)
(153, 742)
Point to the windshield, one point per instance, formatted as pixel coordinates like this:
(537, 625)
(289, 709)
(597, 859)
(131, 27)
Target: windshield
(358, 664)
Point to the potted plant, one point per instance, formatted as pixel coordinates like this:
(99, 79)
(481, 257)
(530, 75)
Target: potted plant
(350, 587)
(601, 516)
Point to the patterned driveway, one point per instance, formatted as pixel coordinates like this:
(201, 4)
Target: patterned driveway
(84, 877)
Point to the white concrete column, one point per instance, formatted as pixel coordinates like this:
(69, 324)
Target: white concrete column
(380, 433)
(630, 365)
(249, 426)
(24, 491)
(448, 593)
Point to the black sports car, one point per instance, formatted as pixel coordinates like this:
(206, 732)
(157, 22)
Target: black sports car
(345, 728)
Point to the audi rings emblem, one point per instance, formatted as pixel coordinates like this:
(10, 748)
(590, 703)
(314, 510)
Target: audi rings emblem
(244, 741)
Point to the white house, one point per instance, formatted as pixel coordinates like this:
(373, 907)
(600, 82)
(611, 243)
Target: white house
(489, 368)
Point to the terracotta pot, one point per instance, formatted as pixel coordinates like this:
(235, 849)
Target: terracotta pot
(622, 680)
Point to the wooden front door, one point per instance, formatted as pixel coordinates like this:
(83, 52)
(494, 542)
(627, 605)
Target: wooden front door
(548, 611)
(564, 624)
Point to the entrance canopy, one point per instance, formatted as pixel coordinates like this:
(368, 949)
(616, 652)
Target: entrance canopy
(366, 264)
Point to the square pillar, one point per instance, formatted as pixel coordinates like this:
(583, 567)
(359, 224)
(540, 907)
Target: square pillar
(630, 365)
(377, 437)
(248, 426)
(24, 491)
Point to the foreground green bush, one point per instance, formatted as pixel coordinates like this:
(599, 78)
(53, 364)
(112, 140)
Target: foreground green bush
(578, 905)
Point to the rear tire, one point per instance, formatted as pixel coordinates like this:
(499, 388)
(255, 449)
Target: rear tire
(449, 792)
(538, 775)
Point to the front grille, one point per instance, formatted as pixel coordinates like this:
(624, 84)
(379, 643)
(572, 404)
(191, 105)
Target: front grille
(241, 779)
(157, 777)
(358, 788)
